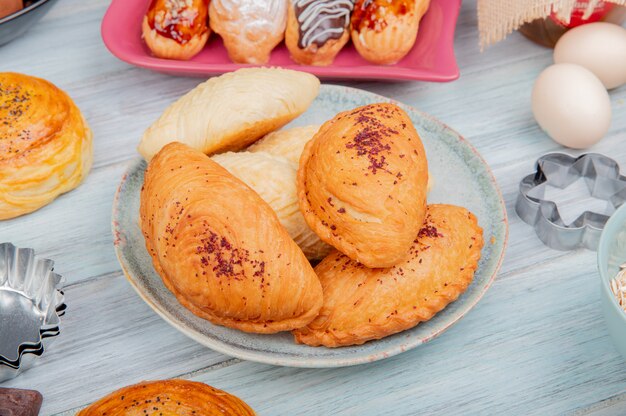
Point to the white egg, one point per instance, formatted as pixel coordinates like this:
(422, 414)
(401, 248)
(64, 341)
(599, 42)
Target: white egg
(571, 105)
(600, 47)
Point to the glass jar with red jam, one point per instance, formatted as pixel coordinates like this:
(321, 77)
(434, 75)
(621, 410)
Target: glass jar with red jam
(548, 31)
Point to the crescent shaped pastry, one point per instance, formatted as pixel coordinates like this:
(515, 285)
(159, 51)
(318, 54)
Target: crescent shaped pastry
(45, 144)
(233, 110)
(221, 249)
(362, 184)
(317, 30)
(176, 29)
(288, 143)
(274, 179)
(251, 29)
(384, 31)
(362, 304)
(169, 397)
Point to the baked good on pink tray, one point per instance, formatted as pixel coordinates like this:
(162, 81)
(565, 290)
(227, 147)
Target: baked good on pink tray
(250, 29)
(176, 29)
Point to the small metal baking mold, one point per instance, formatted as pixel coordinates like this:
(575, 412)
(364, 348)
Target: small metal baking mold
(602, 179)
(31, 303)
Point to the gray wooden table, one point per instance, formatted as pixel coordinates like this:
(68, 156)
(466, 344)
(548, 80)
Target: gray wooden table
(536, 343)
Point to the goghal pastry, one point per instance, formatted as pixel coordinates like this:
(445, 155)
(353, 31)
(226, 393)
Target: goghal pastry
(45, 144)
(169, 397)
(176, 29)
(362, 184)
(362, 304)
(288, 143)
(231, 111)
(317, 30)
(251, 29)
(220, 249)
(384, 31)
(274, 179)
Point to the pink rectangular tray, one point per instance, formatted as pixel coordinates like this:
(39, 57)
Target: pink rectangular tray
(431, 59)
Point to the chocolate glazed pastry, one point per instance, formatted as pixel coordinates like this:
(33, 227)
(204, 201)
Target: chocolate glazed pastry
(317, 30)
(17, 402)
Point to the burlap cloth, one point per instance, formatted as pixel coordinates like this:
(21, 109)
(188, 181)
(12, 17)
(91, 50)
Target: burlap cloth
(498, 18)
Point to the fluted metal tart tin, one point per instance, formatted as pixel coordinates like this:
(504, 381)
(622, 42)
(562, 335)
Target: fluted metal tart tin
(603, 180)
(31, 302)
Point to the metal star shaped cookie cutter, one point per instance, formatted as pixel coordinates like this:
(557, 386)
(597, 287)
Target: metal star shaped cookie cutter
(602, 177)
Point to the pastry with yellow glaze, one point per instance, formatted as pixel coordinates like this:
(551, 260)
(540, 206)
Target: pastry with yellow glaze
(362, 184)
(169, 398)
(362, 304)
(45, 144)
(220, 249)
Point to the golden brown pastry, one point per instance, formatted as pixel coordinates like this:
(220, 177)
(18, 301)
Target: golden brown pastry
(274, 179)
(45, 144)
(288, 143)
(168, 398)
(233, 110)
(221, 249)
(251, 29)
(362, 304)
(317, 30)
(384, 31)
(8, 7)
(362, 184)
(176, 29)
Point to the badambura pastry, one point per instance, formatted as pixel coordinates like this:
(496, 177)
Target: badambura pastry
(362, 184)
(274, 179)
(288, 143)
(220, 249)
(176, 29)
(169, 397)
(362, 304)
(384, 31)
(317, 30)
(231, 111)
(45, 144)
(251, 29)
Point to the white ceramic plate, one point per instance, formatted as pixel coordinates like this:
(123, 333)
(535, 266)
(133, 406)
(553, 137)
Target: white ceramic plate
(461, 177)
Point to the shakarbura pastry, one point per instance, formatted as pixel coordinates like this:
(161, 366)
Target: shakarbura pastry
(231, 111)
(168, 398)
(362, 304)
(251, 29)
(45, 144)
(220, 249)
(362, 184)
(317, 30)
(288, 143)
(384, 31)
(176, 29)
(274, 179)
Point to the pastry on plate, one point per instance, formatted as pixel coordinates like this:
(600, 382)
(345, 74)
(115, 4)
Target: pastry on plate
(220, 249)
(274, 179)
(233, 110)
(362, 184)
(251, 29)
(362, 304)
(384, 31)
(317, 30)
(287, 143)
(45, 144)
(176, 29)
(169, 397)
